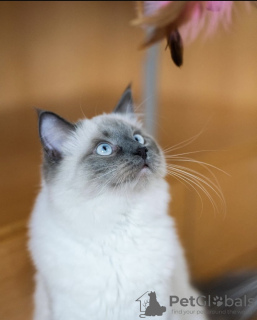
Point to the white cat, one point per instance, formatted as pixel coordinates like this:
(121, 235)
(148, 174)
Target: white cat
(100, 233)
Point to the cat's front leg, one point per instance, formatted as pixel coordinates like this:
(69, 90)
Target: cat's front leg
(42, 300)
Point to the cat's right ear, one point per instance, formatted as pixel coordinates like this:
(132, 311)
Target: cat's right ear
(125, 105)
(53, 132)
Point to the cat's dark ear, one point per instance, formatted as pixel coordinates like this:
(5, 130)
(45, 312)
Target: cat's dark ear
(125, 105)
(53, 132)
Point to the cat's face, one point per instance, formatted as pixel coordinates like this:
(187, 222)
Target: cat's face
(108, 152)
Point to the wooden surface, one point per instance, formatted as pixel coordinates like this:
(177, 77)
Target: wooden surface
(75, 58)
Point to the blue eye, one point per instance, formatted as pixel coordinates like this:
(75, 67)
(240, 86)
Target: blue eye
(139, 138)
(104, 149)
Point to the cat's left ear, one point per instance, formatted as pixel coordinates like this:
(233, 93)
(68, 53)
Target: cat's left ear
(54, 132)
(125, 105)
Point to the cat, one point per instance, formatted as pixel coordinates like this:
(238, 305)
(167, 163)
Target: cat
(100, 233)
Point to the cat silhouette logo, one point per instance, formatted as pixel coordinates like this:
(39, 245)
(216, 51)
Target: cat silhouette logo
(150, 306)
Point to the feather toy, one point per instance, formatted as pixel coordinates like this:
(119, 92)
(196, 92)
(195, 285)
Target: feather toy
(181, 21)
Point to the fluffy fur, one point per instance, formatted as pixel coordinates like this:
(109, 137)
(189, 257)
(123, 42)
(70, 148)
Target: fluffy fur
(98, 245)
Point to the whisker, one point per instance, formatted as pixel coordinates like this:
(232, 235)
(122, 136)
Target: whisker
(187, 141)
(207, 166)
(198, 184)
(184, 184)
(138, 106)
(185, 159)
(202, 178)
(191, 152)
(108, 172)
(104, 186)
(179, 178)
(119, 182)
(184, 143)
(197, 174)
(81, 109)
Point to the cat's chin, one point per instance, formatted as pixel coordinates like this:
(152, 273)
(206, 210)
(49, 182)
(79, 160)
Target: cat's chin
(145, 171)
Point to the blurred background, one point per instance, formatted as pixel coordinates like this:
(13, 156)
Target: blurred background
(75, 59)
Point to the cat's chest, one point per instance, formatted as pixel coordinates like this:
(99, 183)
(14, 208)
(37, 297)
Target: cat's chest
(128, 256)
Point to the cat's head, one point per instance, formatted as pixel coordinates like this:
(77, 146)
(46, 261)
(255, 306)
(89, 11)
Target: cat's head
(108, 152)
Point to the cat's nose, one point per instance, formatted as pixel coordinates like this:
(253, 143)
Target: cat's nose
(141, 151)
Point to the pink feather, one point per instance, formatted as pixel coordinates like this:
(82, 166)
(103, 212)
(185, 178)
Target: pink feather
(205, 15)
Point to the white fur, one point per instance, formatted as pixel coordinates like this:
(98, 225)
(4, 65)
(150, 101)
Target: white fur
(95, 255)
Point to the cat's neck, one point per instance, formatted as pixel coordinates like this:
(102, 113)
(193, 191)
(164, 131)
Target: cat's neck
(97, 216)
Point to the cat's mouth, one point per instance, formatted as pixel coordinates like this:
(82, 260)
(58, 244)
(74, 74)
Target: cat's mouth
(145, 166)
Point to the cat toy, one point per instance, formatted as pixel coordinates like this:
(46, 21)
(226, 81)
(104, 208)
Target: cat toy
(181, 21)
